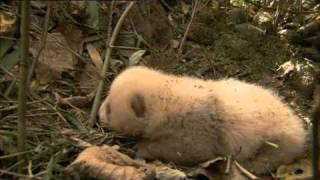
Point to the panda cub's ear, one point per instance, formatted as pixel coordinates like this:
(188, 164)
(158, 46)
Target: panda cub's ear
(138, 105)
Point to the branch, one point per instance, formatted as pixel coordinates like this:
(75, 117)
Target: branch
(194, 9)
(24, 31)
(42, 43)
(97, 99)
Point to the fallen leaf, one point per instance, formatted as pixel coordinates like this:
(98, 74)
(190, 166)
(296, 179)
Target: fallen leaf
(54, 59)
(7, 21)
(73, 38)
(75, 122)
(6, 44)
(88, 79)
(107, 163)
(95, 56)
(10, 60)
(135, 58)
(93, 12)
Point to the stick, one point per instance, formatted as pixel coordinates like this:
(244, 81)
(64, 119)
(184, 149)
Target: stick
(194, 9)
(43, 41)
(228, 166)
(244, 171)
(97, 99)
(24, 31)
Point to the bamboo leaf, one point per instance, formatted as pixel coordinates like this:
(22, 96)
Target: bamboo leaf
(10, 60)
(93, 12)
(6, 44)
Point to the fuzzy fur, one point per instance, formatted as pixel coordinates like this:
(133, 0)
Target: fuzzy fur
(187, 120)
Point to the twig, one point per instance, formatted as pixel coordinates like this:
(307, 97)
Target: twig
(7, 72)
(110, 42)
(125, 47)
(28, 103)
(194, 9)
(30, 169)
(24, 31)
(15, 154)
(9, 89)
(9, 38)
(272, 144)
(244, 171)
(228, 166)
(13, 173)
(44, 35)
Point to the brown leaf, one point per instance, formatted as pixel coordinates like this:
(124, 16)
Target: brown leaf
(107, 163)
(95, 56)
(7, 21)
(88, 79)
(74, 39)
(157, 33)
(54, 59)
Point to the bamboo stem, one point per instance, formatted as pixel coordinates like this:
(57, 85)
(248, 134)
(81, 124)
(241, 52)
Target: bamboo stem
(24, 31)
(97, 99)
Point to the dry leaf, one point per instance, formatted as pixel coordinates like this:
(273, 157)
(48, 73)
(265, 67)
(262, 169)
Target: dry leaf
(95, 56)
(88, 79)
(135, 58)
(54, 59)
(7, 21)
(107, 163)
(74, 39)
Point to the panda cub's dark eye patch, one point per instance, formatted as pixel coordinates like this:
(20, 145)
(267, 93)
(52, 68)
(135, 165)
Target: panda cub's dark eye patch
(138, 105)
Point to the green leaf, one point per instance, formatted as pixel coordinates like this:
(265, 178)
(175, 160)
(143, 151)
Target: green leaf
(74, 122)
(10, 60)
(5, 45)
(93, 12)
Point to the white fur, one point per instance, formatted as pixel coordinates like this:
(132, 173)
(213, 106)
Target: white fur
(189, 120)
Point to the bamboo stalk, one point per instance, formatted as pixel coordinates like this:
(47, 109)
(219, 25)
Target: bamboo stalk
(97, 99)
(22, 98)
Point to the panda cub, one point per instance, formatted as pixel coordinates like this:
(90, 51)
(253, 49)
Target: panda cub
(187, 121)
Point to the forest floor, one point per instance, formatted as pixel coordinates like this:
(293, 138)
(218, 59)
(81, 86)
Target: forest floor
(220, 42)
